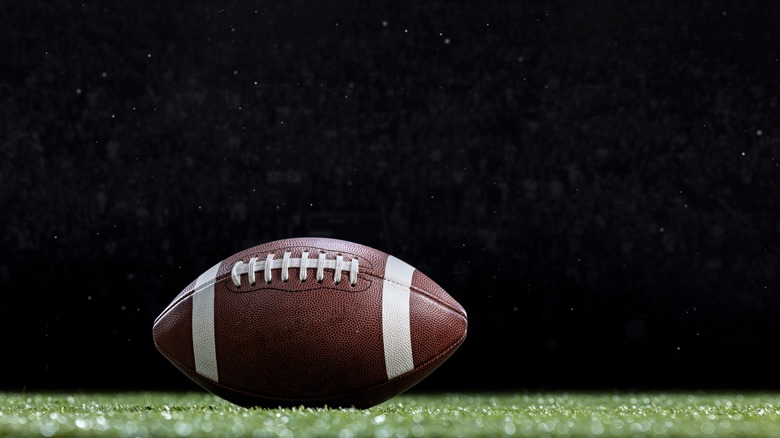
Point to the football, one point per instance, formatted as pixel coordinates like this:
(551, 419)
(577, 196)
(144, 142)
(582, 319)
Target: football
(310, 322)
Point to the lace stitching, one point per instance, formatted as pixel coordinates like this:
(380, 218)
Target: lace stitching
(304, 263)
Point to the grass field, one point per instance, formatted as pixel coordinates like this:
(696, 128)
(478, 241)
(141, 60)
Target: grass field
(413, 415)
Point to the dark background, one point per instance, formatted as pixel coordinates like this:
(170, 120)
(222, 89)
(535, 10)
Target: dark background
(596, 182)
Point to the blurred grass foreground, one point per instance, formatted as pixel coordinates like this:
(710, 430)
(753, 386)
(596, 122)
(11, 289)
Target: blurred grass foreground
(152, 414)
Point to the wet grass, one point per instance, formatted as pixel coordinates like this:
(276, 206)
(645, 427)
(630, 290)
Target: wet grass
(413, 415)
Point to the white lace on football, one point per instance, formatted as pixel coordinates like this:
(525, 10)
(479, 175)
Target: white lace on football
(304, 263)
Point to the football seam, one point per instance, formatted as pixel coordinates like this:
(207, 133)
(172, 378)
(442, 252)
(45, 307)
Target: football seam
(172, 306)
(425, 293)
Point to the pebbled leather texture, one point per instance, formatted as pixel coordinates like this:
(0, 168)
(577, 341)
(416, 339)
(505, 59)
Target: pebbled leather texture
(308, 343)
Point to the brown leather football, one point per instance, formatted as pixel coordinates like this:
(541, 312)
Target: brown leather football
(310, 322)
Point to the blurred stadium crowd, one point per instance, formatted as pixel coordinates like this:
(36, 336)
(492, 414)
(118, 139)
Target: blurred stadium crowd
(548, 158)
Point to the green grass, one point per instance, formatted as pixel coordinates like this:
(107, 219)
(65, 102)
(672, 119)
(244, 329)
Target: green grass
(413, 415)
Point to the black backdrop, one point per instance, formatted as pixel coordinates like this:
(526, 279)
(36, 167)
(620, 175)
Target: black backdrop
(596, 183)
